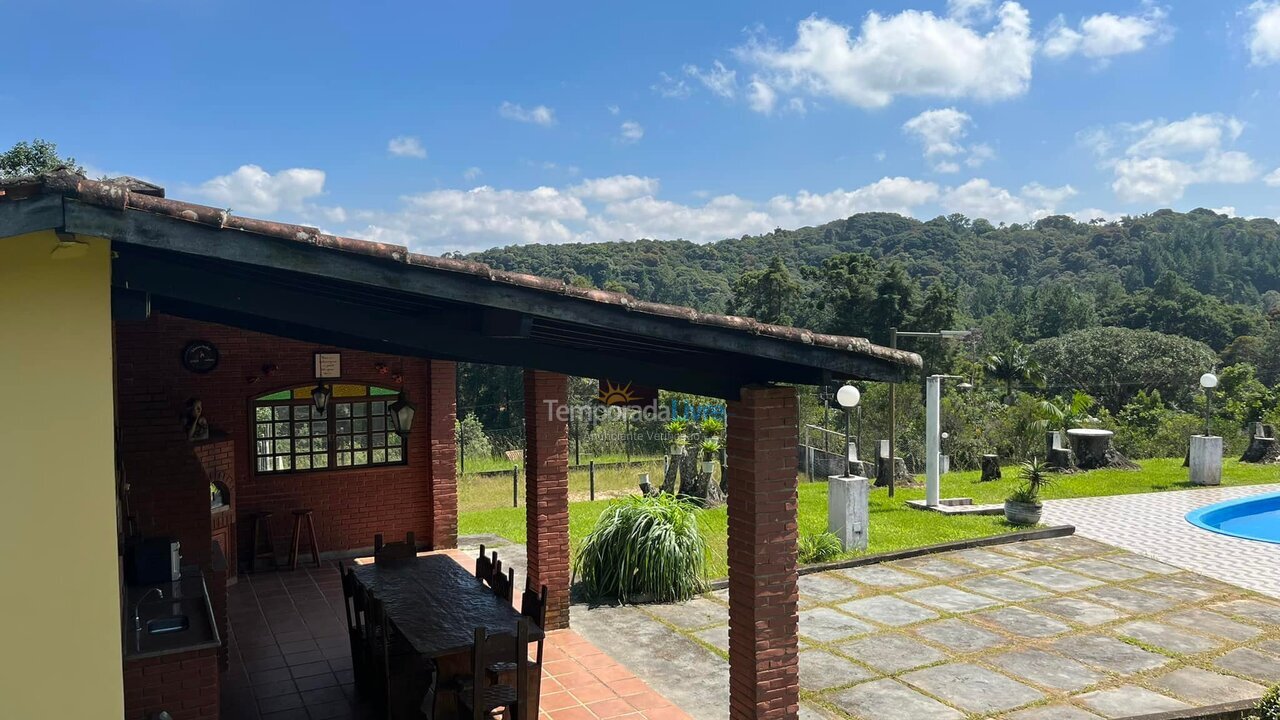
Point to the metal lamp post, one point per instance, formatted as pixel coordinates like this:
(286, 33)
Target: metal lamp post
(894, 334)
(848, 396)
(1208, 381)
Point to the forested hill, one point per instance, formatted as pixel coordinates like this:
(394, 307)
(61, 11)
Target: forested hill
(1199, 274)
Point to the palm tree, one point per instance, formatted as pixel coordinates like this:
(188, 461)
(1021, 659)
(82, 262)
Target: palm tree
(1065, 414)
(1013, 365)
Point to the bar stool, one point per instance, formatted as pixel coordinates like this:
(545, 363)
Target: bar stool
(299, 516)
(262, 545)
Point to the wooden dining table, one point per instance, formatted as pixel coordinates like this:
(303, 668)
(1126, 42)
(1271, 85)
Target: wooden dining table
(436, 605)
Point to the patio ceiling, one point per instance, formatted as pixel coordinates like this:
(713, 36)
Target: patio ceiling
(293, 281)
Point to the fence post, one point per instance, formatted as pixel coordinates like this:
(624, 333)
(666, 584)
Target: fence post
(462, 453)
(515, 486)
(591, 478)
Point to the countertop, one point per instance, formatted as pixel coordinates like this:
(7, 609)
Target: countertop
(188, 596)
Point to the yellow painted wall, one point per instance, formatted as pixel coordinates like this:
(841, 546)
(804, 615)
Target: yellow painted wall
(60, 653)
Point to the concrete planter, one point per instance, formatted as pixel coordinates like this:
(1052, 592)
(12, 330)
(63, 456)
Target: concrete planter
(708, 466)
(1020, 513)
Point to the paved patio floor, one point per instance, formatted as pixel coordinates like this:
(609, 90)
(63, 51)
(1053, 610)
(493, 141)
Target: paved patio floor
(1154, 524)
(1065, 628)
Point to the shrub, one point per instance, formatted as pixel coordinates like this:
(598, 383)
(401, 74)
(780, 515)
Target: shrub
(711, 427)
(469, 433)
(819, 547)
(1034, 476)
(644, 548)
(1269, 705)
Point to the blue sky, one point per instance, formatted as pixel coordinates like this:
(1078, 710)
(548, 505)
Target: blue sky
(461, 126)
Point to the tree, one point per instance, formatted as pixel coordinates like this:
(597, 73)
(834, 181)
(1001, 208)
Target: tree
(1013, 365)
(768, 295)
(33, 158)
(937, 311)
(1067, 413)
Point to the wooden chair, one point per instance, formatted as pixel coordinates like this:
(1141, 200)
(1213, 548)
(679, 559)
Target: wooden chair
(479, 700)
(503, 584)
(394, 552)
(484, 566)
(533, 607)
(396, 670)
(354, 605)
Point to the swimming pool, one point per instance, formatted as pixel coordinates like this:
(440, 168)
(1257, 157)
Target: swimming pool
(1251, 518)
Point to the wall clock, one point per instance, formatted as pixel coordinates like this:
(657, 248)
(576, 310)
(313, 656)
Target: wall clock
(200, 356)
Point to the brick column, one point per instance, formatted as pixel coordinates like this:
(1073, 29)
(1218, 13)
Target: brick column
(546, 466)
(441, 407)
(764, 679)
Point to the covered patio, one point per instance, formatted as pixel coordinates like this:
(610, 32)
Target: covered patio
(272, 298)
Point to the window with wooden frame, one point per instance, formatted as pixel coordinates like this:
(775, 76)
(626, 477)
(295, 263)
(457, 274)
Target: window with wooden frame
(354, 431)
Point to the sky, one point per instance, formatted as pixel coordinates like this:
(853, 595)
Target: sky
(452, 126)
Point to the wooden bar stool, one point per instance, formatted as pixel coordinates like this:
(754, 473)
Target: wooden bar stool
(299, 516)
(262, 545)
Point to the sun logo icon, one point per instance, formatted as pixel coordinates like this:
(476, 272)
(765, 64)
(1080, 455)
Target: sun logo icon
(612, 394)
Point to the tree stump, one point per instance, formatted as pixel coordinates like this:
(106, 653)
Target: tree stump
(697, 485)
(1262, 446)
(990, 468)
(671, 472)
(1061, 459)
(901, 478)
(1093, 450)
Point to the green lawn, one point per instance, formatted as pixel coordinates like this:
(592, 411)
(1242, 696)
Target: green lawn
(500, 462)
(894, 526)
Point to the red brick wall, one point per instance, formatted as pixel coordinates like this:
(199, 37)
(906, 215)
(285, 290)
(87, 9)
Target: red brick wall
(350, 505)
(185, 684)
(441, 409)
(218, 458)
(546, 462)
(763, 624)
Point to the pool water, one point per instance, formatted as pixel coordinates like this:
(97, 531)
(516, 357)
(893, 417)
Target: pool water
(1252, 518)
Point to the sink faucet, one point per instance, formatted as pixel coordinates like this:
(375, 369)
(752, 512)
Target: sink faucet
(137, 619)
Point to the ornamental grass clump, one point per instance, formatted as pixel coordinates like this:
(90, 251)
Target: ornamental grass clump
(819, 547)
(644, 549)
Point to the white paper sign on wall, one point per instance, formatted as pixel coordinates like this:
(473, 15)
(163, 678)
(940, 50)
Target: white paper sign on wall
(328, 365)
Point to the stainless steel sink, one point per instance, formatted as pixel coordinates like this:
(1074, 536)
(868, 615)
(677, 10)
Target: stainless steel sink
(170, 624)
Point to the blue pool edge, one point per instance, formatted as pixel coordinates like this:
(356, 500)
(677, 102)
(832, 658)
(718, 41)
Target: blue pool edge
(1196, 517)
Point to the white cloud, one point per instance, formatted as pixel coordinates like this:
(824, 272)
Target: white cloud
(671, 87)
(913, 53)
(978, 198)
(970, 11)
(254, 191)
(1162, 159)
(630, 132)
(718, 79)
(1273, 178)
(1228, 210)
(613, 109)
(1047, 197)
(615, 187)
(536, 115)
(406, 146)
(471, 173)
(761, 97)
(1264, 34)
(1106, 35)
(940, 133)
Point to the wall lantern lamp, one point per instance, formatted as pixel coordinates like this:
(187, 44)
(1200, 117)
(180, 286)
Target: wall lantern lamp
(848, 397)
(402, 412)
(320, 397)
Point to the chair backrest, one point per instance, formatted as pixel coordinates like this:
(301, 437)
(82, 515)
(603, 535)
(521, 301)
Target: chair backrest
(503, 584)
(484, 566)
(533, 605)
(394, 552)
(487, 650)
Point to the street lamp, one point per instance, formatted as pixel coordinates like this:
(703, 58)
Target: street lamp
(1208, 381)
(848, 396)
(894, 334)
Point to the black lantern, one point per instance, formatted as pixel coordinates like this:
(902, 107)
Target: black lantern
(320, 396)
(402, 412)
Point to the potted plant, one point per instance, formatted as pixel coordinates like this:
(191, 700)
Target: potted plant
(711, 427)
(677, 428)
(1023, 506)
(710, 448)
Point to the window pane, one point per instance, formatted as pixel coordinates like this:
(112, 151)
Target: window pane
(320, 444)
(343, 410)
(281, 395)
(301, 412)
(378, 408)
(360, 409)
(301, 429)
(264, 430)
(319, 461)
(282, 412)
(344, 459)
(379, 456)
(282, 429)
(379, 439)
(360, 426)
(344, 442)
(283, 462)
(282, 447)
(302, 445)
(378, 423)
(303, 462)
(381, 391)
(262, 414)
(360, 458)
(393, 455)
(393, 438)
(360, 441)
(319, 428)
(264, 464)
(264, 447)
(343, 427)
